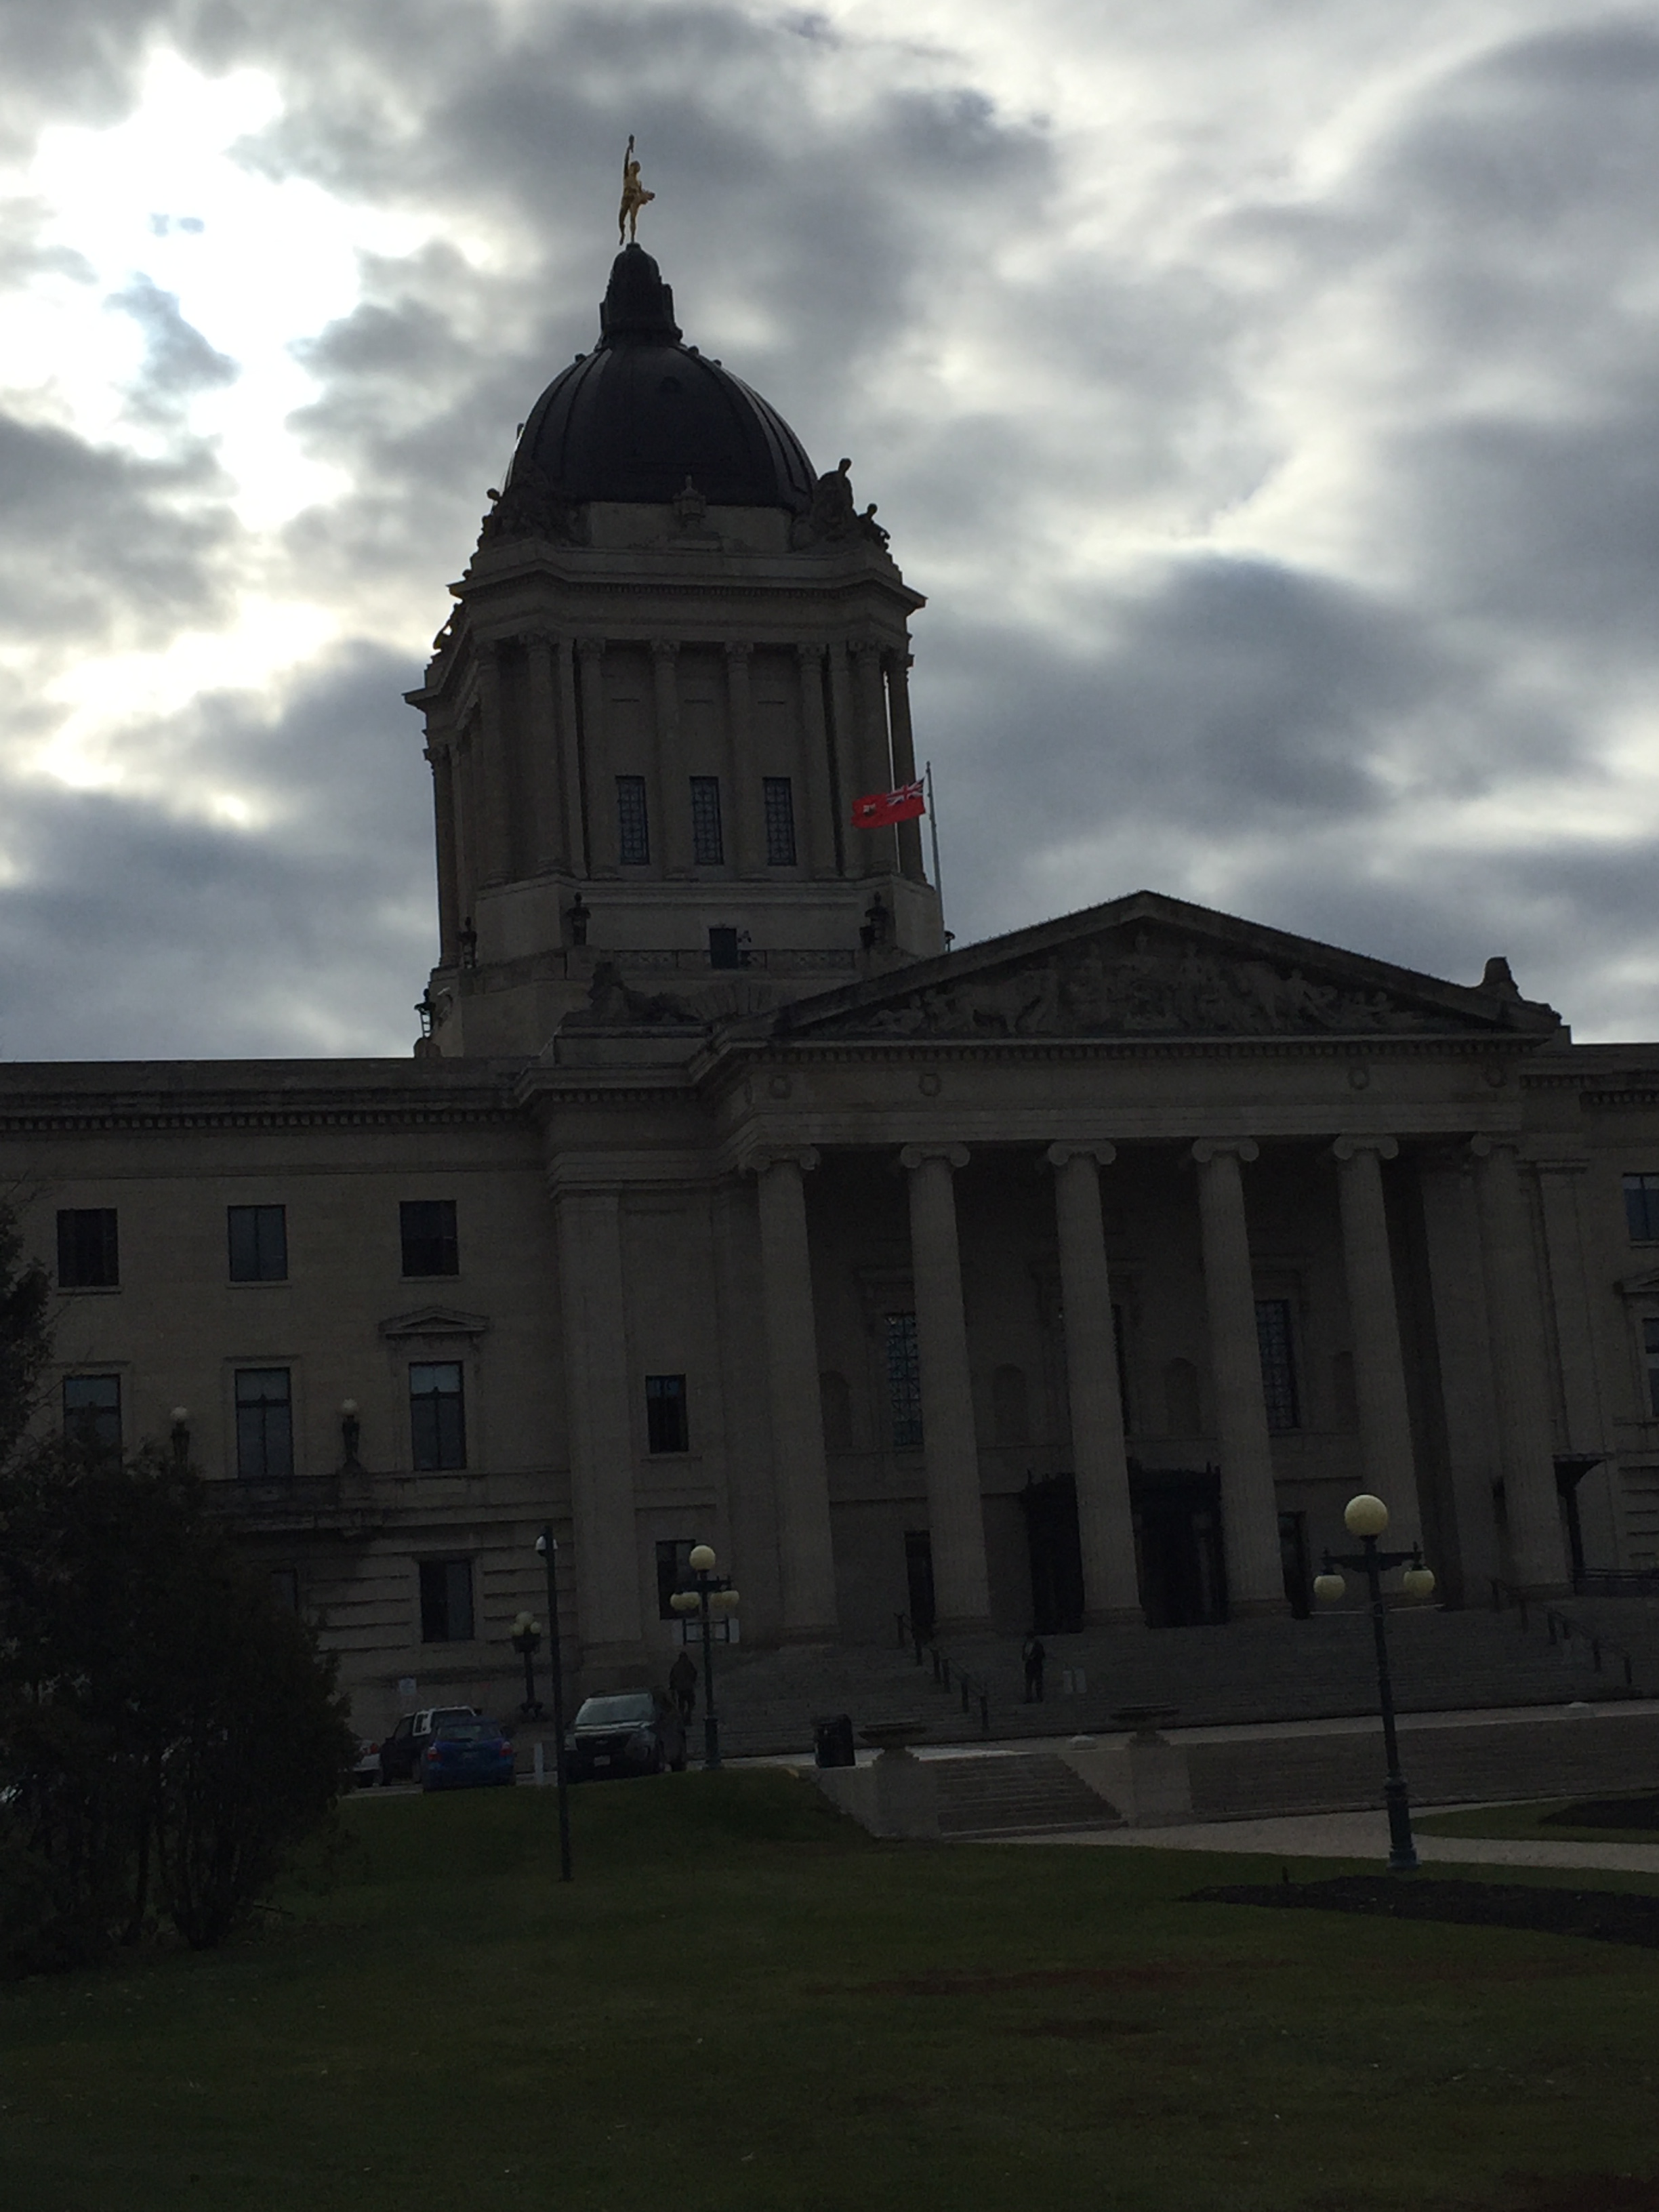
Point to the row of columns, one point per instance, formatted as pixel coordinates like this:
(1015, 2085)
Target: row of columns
(528, 789)
(600, 1412)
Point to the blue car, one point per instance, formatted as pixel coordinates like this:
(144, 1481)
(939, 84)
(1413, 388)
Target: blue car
(466, 1753)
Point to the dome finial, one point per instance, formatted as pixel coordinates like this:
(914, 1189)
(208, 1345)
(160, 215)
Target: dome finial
(634, 196)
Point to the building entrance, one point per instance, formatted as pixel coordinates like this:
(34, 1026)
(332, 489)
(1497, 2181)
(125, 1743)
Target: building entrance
(1177, 1516)
(1056, 1554)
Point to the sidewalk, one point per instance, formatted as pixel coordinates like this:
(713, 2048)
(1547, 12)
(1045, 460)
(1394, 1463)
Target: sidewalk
(1360, 1836)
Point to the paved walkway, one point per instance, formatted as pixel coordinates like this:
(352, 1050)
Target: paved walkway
(1359, 1836)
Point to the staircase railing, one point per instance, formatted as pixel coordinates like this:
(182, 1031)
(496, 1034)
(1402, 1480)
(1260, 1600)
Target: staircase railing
(1560, 1627)
(948, 1673)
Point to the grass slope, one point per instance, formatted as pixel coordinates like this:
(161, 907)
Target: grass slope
(745, 2003)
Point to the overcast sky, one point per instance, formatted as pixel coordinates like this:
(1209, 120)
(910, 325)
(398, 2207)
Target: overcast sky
(1264, 393)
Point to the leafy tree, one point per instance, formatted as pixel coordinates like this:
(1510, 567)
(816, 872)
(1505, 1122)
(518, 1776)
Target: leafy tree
(167, 1733)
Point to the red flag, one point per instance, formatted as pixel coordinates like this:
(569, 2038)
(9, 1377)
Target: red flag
(881, 807)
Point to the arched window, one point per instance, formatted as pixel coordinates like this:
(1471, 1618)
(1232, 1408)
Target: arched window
(836, 1401)
(1182, 1408)
(1011, 1412)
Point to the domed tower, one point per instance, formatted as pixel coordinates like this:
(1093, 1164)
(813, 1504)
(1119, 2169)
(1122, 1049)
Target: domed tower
(677, 656)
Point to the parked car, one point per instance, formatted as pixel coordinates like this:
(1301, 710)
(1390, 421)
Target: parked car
(466, 1755)
(366, 1769)
(400, 1752)
(633, 1732)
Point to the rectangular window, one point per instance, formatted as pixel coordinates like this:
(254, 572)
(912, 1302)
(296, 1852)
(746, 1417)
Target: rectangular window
(258, 1244)
(88, 1258)
(264, 1424)
(707, 840)
(904, 1382)
(430, 1244)
(437, 1416)
(673, 1572)
(1651, 1345)
(445, 1601)
(1641, 1208)
(780, 822)
(1273, 1330)
(92, 1413)
(666, 1429)
(633, 832)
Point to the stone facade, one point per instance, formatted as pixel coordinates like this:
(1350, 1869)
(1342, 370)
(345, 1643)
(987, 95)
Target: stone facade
(1082, 1274)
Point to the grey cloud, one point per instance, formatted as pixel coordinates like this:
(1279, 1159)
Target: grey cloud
(135, 545)
(134, 933)
(178, 362)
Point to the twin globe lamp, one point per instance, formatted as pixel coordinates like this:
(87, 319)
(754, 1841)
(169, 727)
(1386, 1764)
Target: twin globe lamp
(1367, 1518)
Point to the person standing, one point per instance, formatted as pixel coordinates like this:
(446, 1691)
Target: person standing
(1034, 1658)
(682, 1686)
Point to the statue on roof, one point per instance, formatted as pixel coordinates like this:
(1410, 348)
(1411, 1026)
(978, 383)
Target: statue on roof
(633, 197)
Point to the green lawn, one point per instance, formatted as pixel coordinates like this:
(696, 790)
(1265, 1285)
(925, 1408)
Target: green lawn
(1527, 1823)
(744, 2003)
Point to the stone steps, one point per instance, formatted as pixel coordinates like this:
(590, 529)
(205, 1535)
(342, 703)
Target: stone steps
(1016, 1794)
(1279, 1671)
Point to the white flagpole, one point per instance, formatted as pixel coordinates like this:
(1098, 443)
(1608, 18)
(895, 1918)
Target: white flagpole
(932, 827)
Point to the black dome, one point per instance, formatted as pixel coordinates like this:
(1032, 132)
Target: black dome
(636, 418)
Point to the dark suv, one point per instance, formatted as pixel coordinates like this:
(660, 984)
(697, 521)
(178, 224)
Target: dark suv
(632, 1732)
(400, 1752)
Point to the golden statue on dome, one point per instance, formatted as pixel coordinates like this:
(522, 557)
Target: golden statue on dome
(633, 197)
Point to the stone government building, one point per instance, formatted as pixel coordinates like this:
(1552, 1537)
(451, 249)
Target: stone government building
(1078, 1275)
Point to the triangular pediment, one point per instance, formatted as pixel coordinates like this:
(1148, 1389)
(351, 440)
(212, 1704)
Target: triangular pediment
(1643, 1286)
(434, 1321)
(1148, 966)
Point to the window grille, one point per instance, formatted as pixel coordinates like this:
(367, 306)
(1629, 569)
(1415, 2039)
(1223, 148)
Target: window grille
(1273, 1329)
(633, 832)
(707, 840)
(258, 1244)
(780, 822)
(437, 1416)
(427, 1227)
(667, 1428)
(1641, 1208)
(88, 1256)
(264, 1424)
(445, 1601)
(91, 1411)
(904, 1382)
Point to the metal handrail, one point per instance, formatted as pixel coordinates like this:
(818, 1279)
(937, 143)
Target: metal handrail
(1561, 1628)
(972, 1689)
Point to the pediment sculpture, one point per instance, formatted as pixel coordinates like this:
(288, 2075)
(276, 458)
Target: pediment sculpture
(532, 506)
(1152, 986)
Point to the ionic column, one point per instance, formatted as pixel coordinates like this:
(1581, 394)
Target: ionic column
(954, 1515)
(674, 786)
(748, 826)
(594, 1318)
(904, 757)
(1250, 1505)
(496, 840)
(823, 845)
(545, 799)
(1520, 1353)
(575, 804)
(443, 816)
(800, 1476)
(603, 846)
(1379, 1365)
(857, 844)
(1105, 1518)
(875, 762)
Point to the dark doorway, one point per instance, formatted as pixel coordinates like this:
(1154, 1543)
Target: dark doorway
(1570, 1468)
(1183, 1581)
(919, 1580)
(1293, 1559)
(1056, 1554)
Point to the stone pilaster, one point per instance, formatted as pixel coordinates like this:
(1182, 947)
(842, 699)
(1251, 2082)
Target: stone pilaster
(673, 784)
(443, 816)
(749, 817)
(897, 665)
(598, 1402)
(496, 837)
(1105, 1518)
(822, 844)
(955, 1517)
(800, 1475)
(1249, 1507)
(1520, 1351)
(575, 803)
(545, 838)
(875, 768)
(1379, 1366)
(603, 833)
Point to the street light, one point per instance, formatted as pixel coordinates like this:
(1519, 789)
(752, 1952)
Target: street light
(547, 1545)
(526, 1635)
(1367, 1518)
(713, 1595)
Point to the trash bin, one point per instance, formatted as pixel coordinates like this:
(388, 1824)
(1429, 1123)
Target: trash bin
(832, 1741)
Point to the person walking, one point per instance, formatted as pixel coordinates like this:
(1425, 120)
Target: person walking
(683, 1685)
(1036, 1658)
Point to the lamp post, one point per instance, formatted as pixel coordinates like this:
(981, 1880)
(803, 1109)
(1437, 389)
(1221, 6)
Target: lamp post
(526, 1639)
(711, 1593)
(547, 1545)
(1367, 1518)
